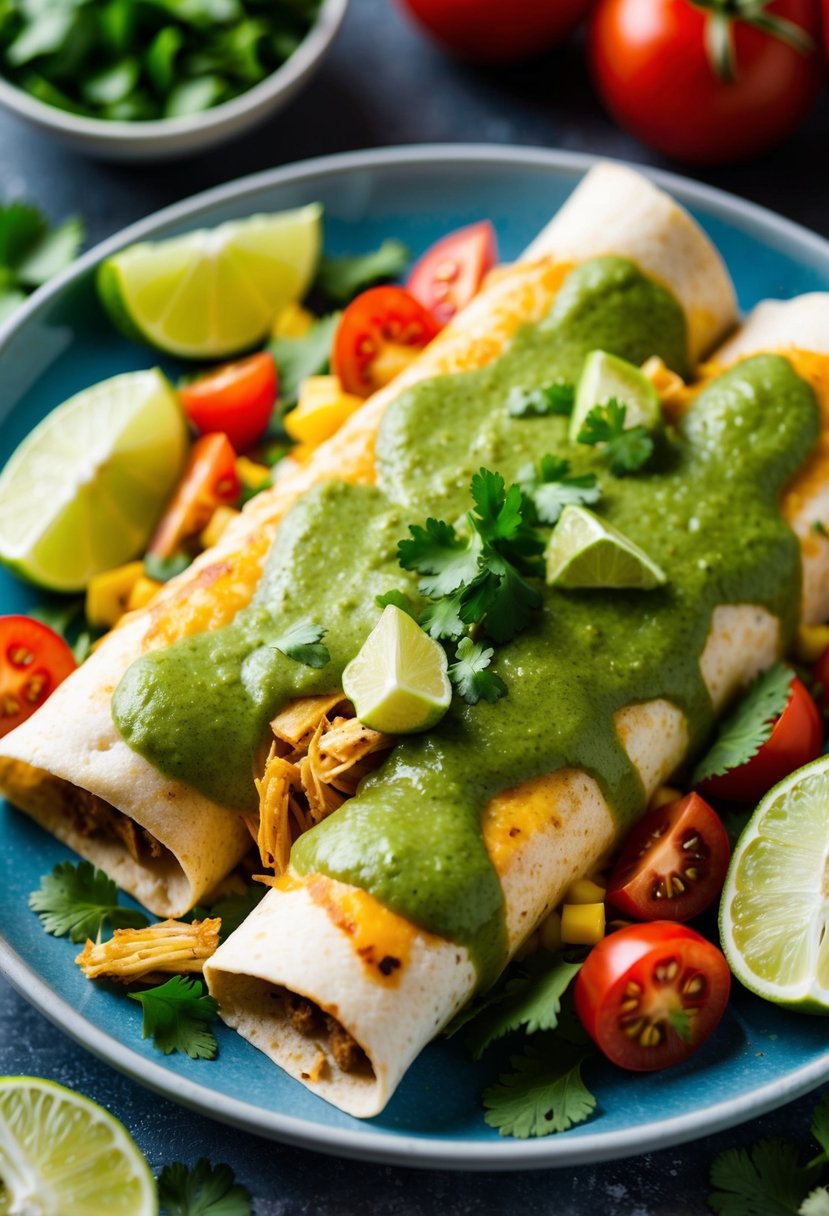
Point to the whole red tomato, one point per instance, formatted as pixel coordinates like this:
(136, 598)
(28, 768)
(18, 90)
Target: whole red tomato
(490, 30)
(707, 82)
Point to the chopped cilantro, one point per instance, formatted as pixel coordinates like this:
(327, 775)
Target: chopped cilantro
(298, 358)
(529, 1000)
(628, 449)
(543, 1094)
(75, 900)
(162, 569)
(399, 600)
(551, 488)
(744, 731)
(340, 279)
(819, 528)
(681, 1021)
(820, 1130)
(175, 1017)
(202, 1190)
(766, 1180)
(303, 643)
(31, 253)
(470, 675)
(538, 402)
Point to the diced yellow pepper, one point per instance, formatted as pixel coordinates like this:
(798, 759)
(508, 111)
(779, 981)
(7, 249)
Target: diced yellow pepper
(143, 591)
(582, 924)
(530, 946)
(302, 452)
(293, 321)
(663, 795)
(549, 931)
(584, 891)
(251, 473)
(392, 359)
(219, 521)
(666, 382)
(811, 642)
(322, 408)
(108, 594)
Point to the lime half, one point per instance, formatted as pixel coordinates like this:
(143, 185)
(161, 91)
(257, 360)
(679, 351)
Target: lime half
(398, 682)
(85, 489)
(774, 915)
(62, 1155)
(587, 552)
(216, 291)
(604, 376)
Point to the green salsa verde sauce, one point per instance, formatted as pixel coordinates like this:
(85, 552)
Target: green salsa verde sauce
(708, 515)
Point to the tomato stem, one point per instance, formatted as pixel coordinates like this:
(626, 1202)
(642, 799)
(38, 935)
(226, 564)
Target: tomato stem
(721, 17)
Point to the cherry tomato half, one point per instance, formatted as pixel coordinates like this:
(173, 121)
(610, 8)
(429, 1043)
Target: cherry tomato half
(795, 739)
(377, 326)
(497, 32)
(33, 661)
(652, 67)
(673, 863)
(650, 995)
(450, 273)
(210, 480)
(236, 399)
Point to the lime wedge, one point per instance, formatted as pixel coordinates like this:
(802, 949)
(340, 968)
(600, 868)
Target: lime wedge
(604, 376)
(216, 291)
(62, 1155)
(397, 682)
(85, 489)
(774, 915)
(587, 552)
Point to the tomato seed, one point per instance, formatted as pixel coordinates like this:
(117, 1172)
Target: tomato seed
(33, 688)
(9, 706)
(20, 656)
(447, 271)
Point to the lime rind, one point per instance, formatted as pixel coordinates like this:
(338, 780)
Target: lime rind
(398, 682)
(213, 292)
(63, 1155)
(605, 376)
(774, 913)
(587, 553)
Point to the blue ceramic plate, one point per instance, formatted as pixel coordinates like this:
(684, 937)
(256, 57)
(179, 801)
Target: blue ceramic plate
(60, 342)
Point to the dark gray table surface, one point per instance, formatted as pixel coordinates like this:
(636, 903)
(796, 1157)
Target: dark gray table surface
(383, 84)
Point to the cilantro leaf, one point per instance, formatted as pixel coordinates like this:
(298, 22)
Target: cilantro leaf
(550, 487)
(442, 618)
(202, 1190)
(628, 448)
(766, 1180)
(75, 900)
(233, 909)
(680, 1019)
(303, 643)
(512, 603)
(340, 279)
(744, 731)
(470, 676)
(531, 999)
(819, 528)
(30, 253)
(544, 1093)
(298, 358)
(820, 1129)
(162, 569)
(539, 402)
(51, 254)
(175, 1017)
(445, 559)
(399, 599)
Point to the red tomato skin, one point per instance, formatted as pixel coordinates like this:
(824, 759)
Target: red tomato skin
(450, 273)
(381, 314)
(630, 956)
(33, 661)
(209, 480)
(237, 399)
(636, 872)
(495, 32)
(796, 738)
(651, 69)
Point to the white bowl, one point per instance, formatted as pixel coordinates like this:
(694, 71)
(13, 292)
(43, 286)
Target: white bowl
(167, 137)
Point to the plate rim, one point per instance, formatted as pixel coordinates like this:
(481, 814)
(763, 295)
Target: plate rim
(367, 1144)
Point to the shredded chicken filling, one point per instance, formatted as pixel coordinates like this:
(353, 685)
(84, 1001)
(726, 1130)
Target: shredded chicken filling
(312, 1022)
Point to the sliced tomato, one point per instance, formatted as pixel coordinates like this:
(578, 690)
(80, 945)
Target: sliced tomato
(378, 333)
(650, 995)
(33, 661)
(451, 272)
(795, 739)
(236, 399)
(673, 863)
(210, 480)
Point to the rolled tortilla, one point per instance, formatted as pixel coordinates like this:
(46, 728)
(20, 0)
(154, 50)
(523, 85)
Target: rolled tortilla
(69, 758)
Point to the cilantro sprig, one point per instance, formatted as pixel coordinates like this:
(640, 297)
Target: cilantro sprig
(303, 643)
(744, 731)
(471, 675)
(176, 1014)
(76, 900)
(551, 487)
(342, 278)
(627, 449)
(539, 402)
(543, 1093)
(31, 252)
(202, 1190)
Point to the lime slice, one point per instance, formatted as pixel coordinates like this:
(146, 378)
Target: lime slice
(398, 682)
(216, 291)
(62, 1155)
(586, 552)
(604, 376)
(85, 489)
(774, 915)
